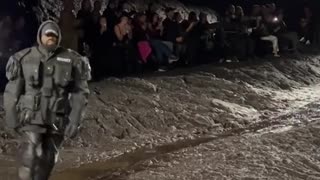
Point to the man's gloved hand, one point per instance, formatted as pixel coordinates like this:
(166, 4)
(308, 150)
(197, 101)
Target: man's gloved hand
(71, 130)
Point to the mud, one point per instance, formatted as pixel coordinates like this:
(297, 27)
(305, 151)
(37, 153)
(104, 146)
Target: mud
(236, 121)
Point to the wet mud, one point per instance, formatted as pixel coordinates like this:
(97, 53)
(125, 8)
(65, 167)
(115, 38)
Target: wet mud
(237, 121)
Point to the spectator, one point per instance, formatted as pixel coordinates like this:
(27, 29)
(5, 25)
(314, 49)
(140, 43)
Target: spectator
(172, 32)
(140, 28)
(191, 37)
(85, 17)
(102, 65)
(230, 14)
(170, 27)
(281, 31)
(266, 35)
(142, 38)
(305, 26)
(178, 33)
(69, 26)
(96, 11)
(255, 18)
(155, 27)
(244, 44)
(123, 49)
(111, 14)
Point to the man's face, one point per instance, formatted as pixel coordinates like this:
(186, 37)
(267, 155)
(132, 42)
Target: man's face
(49, 40)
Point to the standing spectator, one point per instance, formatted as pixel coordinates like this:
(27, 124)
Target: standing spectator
(123, 49)
(69, 26)
(111, 14)
(244, 44)
(85, 17)
(102, 50)
(192, 38)
(230, 13)
(305, 32)
(96, 11)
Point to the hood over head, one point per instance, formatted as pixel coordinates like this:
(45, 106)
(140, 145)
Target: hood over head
(48, 27)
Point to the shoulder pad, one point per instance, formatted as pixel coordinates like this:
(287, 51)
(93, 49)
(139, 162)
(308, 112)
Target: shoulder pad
(73, 52)
(21, 54)
(86, 68)
(13, 68)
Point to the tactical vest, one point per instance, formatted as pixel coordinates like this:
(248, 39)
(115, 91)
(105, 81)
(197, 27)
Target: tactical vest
(48, 82)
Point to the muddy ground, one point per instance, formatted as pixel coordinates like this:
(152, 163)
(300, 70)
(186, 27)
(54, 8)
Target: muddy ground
(234, 121)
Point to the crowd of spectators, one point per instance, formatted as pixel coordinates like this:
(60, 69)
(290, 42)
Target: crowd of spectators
(119, 42)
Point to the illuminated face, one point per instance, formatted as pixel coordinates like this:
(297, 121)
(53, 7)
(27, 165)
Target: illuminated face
(49, 40)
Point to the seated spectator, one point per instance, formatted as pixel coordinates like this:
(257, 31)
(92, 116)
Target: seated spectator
(123, 50)
(160, 50)
(266, 35)
(280, 30)
(141, 37)
(155, 27)
(123, 31)
(171, 26)
(172, 32)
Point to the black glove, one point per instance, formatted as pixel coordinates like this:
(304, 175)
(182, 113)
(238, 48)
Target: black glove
(71, 130)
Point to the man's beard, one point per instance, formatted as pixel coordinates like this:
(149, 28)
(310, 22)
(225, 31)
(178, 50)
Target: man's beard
(50, 48)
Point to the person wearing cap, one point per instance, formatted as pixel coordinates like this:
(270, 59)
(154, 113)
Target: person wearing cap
(44, 100)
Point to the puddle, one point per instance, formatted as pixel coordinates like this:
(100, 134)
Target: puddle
(133, 161)
(124, 162)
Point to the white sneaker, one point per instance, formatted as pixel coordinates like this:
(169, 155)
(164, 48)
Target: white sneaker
(308, 42)
(162, 69)
(302, 39)
(173, 59)
(221, 60)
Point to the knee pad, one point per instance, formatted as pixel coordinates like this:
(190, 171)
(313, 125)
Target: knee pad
(24, 173)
